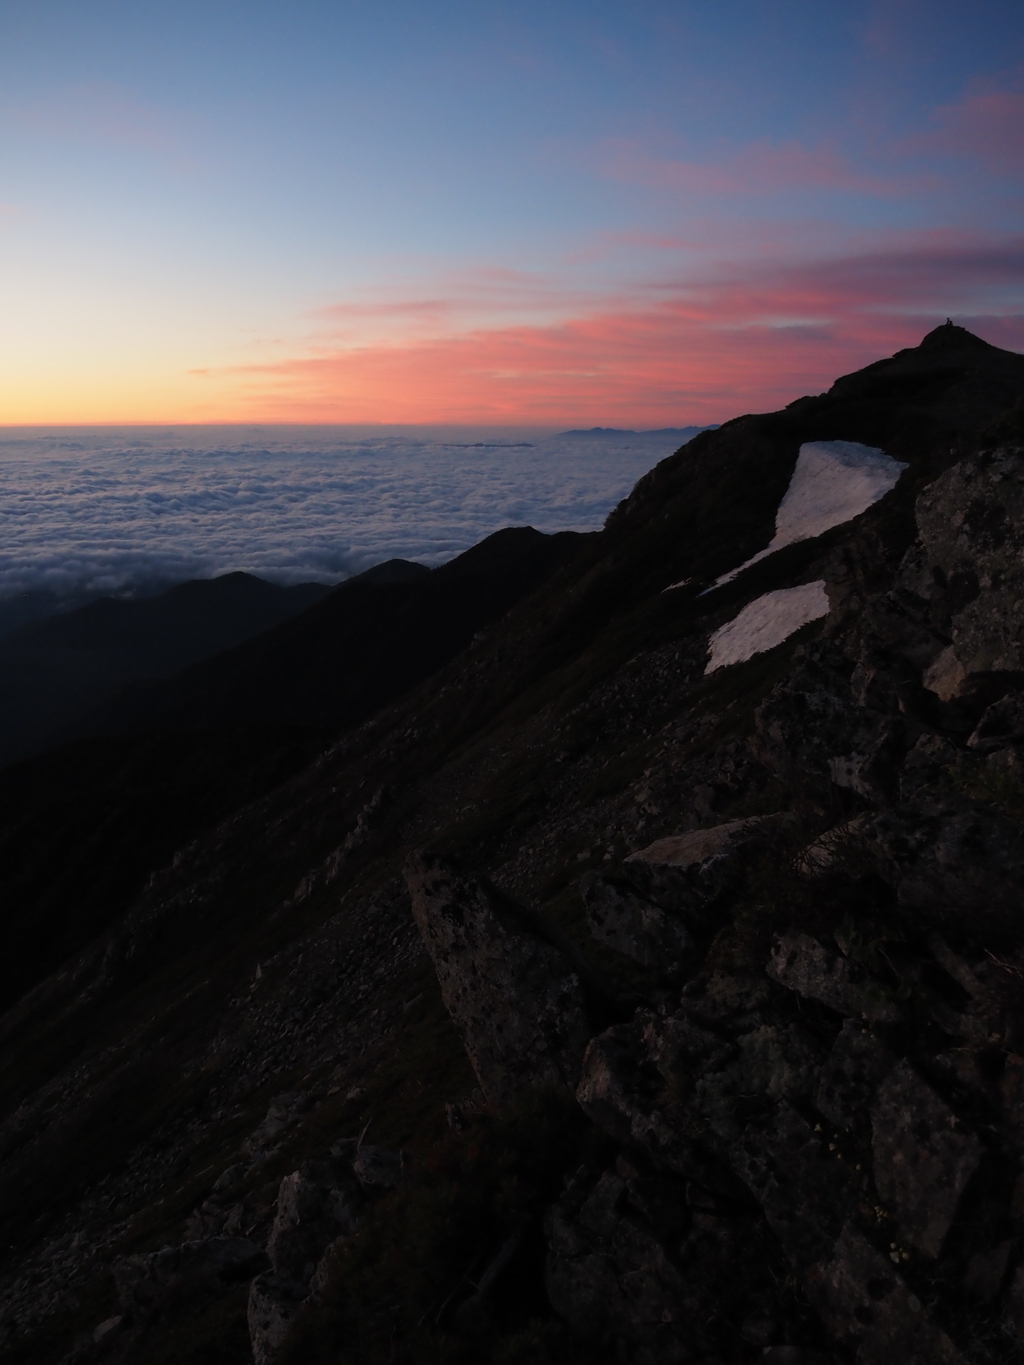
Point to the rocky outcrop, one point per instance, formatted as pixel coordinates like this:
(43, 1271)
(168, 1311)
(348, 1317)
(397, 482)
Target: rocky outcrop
(315, 1205)
(515, 998)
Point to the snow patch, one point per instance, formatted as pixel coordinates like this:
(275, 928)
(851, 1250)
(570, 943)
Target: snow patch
(833, 482)
(766, 622)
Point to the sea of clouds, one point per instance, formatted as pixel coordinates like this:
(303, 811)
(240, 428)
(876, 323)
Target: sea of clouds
(86, 511)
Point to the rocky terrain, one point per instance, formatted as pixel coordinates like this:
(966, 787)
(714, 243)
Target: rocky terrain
(587, 1000)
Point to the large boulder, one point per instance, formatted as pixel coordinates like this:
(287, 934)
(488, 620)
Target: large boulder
(515, 998)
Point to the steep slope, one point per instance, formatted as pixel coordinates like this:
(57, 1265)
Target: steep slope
(82, 827)
(53, 671)
(733, 960)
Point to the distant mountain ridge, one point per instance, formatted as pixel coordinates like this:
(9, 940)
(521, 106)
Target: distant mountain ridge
(53, 670)
(365, 643)
(685, 433)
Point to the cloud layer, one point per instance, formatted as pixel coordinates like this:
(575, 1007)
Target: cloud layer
(707, 342)
(86, 512)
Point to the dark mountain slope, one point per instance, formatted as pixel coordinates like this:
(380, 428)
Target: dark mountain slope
(82, 827)
(52, 672)
(366, 643)
(797, 1131)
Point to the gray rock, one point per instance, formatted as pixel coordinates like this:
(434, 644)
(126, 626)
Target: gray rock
(804, 965)
(923, 1158)
(686, 872)
(633, 926)
(856, 1066)
(514, 997)
(314, 1207)
(870, 1309)
(274, 1304)
(805, 1189)
(215, 1263)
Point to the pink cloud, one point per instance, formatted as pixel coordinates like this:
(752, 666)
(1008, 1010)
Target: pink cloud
(758, 168)
(749, 336)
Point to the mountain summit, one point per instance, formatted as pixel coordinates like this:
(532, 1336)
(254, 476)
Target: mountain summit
(637, 980)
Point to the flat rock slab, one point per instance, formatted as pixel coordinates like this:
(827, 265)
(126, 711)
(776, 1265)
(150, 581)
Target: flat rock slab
(514, 997)
(924, 1157)
(685, 872)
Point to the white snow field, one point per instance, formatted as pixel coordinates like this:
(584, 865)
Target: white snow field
(766, 622)
(833, 482)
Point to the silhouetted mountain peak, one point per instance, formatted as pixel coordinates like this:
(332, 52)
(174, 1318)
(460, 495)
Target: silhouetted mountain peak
(950, 337)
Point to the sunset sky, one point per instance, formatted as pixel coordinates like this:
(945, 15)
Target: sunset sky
(604, 213)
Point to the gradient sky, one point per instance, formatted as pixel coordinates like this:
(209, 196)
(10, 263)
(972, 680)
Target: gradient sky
(621, 214)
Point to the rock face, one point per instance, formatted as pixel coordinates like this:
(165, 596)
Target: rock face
(515, 998)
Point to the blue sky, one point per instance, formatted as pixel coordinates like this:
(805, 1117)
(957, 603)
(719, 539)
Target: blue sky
(455, 212)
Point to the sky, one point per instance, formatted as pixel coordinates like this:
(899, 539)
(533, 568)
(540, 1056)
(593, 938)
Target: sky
(624, 214)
